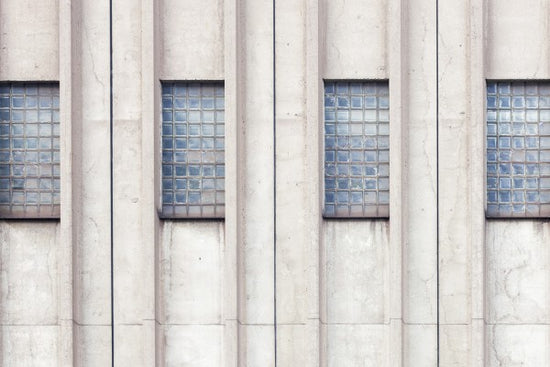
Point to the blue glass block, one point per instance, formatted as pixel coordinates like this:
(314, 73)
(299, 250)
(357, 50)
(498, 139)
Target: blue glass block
(356, 170)
(208, 171)
(179, 103)
(343, 170)
(167, 103)
(342, 116)
(503, 116)
(343, 156)
(19, 102)
(220, 171)
(194, 143)
(491, 88)
(491, 156)
(505, 156)
(167, 129)
(383, 184)
(532, 169)
(518, 169)
(518, 208)
(504, 142)
(356, 102)
(166, 116)
(181, 170)
(181, 184)
(343, 142)
(532, 156)
(504, 196)
(167, 197)
(532, 102)
(330, 169)
(342, 197)
(194, 197)
(370, 184)
(167, 89)
(329, 196)
(491, 183)
(194, 184)
(167, 170)
(504, 169)
(343, 183)
(356, 183)
(532, 142)
(492, 197)
(503, 102)
(167, 143)
(519, 116)
(330, 142)
(330, 183)
(356, 197)
(180, 90)
(167, 156)
(180, 116)
(505, 183)
(343, 102)
(194, 170)
(354, 135)
(532, 116)
(532, 196)
(504, 88)
(370, 171)
(544, 197)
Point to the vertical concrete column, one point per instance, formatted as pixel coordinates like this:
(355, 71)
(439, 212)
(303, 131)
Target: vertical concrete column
(461, 168)
(134, 236)
(420, 223)
(297, 182)
(67, 234)
(233, 68)
(90, 170)
(256, 175)
(397, 63)
(517, 256)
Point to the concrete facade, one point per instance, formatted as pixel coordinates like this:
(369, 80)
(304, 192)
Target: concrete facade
(274, 284)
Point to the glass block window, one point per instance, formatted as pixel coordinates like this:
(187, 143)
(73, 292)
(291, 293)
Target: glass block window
(193, 168)
(518, 149)
(29, 150)
(356, 149)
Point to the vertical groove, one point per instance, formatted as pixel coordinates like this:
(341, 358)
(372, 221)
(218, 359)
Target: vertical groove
(111, 176)
(274, 195)
(437, 165)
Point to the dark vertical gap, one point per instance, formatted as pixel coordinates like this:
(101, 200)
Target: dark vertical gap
(274, 194)
(111, 177)
(437, 161)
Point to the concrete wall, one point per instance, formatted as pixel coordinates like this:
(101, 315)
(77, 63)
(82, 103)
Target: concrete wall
(224, 292)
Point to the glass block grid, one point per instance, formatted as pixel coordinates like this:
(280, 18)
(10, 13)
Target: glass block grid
(29, 150)
(356, 149)
(193, 167)
(518, 149)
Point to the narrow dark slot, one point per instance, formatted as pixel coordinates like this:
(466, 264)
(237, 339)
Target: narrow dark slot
(111, 178)
(274, 194)
(437, 160)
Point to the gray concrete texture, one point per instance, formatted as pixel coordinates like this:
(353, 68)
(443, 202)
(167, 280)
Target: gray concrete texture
(344, 292)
